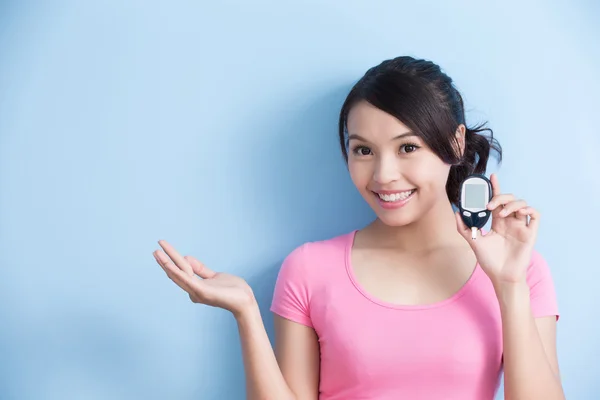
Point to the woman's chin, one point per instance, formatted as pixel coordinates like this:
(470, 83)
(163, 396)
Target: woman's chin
(397, 213)
(394, 220)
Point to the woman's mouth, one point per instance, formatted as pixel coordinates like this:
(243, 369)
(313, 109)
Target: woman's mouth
(390, 200)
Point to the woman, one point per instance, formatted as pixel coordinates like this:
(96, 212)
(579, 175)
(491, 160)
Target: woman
(409, 307)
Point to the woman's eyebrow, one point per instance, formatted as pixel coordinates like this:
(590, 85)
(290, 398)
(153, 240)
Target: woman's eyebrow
(358, 137)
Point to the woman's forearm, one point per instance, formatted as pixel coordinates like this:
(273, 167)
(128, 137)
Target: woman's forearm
(264, 380)
(527, 372)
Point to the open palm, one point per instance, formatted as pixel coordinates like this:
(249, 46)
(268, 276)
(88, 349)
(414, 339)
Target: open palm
(216, 289)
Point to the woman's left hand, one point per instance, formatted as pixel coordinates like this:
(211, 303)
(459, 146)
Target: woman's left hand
(505, 251)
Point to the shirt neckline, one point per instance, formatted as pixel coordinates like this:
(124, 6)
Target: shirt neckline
(457, 295)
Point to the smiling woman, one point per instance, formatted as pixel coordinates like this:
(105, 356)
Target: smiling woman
(408, 307)
(418, 102)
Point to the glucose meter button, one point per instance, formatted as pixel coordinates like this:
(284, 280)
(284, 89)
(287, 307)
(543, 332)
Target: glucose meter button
(481, 214)
(466, 213)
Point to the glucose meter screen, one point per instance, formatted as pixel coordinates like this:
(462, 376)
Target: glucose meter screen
(475, 196)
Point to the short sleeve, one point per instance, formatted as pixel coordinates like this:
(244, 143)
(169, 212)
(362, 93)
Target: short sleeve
(541, 288)
(291, 295)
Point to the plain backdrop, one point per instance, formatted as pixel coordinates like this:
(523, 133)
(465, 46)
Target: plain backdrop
(212, 125)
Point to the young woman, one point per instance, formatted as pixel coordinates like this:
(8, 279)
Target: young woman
(409, 307)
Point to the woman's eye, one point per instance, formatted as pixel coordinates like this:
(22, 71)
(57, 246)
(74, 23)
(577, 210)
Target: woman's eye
(365, 151)
(409, 148)
(362, 151)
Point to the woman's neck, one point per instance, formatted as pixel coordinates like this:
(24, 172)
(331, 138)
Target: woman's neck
(434, 230)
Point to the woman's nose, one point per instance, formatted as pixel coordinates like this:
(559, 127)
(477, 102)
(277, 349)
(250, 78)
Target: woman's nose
(386, 171)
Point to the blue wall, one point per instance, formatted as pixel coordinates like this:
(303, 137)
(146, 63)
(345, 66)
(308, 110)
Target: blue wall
(126, 122)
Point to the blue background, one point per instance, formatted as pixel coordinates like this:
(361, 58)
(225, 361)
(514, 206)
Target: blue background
(213, 125)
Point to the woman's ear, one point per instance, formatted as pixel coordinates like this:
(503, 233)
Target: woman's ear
(460, 143)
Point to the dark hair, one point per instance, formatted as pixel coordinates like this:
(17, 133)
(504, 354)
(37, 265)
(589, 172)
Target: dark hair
(424, 98)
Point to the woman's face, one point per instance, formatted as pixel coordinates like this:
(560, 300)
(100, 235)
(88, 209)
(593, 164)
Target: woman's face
(393, 169)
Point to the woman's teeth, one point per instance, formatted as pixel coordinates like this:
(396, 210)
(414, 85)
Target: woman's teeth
(396, 196)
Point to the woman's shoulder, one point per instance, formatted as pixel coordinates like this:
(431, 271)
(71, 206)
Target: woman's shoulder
(324, 247)
(305, 270)
(541, 286)
(314, 254)
(538, 268)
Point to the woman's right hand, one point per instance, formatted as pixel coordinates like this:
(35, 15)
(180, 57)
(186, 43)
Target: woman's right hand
(203, 285)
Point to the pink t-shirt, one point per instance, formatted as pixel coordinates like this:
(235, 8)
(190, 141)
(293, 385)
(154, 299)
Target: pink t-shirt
(371, 349)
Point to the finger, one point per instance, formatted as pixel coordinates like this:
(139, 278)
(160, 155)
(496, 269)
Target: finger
(467, 232)
(176, 257)
(500, 200)
(495, 185)
(199, 268)
(461, 227)
(169, 267)
(512, 207)
(181, 278)
(533, 214)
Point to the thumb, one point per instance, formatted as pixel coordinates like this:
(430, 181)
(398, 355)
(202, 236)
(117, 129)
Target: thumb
(200, 269)
(463, 229)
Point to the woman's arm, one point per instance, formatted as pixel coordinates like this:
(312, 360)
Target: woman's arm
(530, 362)
(297, 348)
(506, 254)
(298, 353)
(264, 378)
